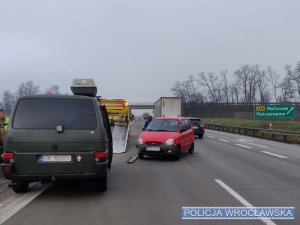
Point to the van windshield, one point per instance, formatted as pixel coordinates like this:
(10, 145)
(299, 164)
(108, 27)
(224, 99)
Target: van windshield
(49, 113)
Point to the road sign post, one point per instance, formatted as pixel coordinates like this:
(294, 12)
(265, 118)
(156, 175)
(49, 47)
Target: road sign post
(275, 111)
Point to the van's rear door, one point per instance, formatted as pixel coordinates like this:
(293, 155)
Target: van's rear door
(55, 136)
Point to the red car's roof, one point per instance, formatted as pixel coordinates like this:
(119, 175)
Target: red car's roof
(169, 118)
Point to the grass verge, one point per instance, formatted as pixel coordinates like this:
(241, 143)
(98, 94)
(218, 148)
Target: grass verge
(263, 124)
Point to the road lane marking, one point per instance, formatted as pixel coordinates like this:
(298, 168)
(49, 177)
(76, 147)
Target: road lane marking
(263, 146)
(21, 202)
(273, 154)
(240, 199)
(251, 143)
(210, 136)
(223, 140)
(244, 146)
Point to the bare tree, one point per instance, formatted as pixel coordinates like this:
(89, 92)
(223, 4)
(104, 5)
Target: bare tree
(52, 90)
(28, 88)
(235, 91)
(262, 84)
(191, 87)
(273, 78)
(225, 87)
(295, 76)
(210, 82)
(188, 91)
(8, 101)
(231, 94)
(178, 91)
(288, 92)
(242, 78)
(246, 77)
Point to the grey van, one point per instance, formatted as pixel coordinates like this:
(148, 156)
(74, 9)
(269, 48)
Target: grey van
(52, 138)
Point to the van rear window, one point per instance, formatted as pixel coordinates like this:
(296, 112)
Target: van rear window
(49, 113)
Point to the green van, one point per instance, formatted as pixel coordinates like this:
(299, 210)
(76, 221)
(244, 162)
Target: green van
(53, 138)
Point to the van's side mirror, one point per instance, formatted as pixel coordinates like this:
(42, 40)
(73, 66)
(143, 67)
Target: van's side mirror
(182, 130)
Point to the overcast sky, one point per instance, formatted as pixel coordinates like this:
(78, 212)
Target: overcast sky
(138, 49)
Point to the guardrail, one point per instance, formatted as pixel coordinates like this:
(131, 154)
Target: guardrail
(278, 135)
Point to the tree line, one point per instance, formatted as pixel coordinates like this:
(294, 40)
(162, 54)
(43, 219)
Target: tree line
(249, 84)
(24, 89)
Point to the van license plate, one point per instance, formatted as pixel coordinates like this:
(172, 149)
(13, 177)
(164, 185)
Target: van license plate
(153, 148)
(55, 158)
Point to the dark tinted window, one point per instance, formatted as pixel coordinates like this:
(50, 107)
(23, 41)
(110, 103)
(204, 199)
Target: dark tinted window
(182, 125)
(196, 122)
(187, 124)
(49, 113)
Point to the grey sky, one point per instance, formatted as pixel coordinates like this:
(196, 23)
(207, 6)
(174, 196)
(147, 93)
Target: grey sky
(137, 49)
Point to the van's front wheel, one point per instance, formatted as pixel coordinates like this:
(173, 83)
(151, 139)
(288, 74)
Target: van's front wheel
(19, 187)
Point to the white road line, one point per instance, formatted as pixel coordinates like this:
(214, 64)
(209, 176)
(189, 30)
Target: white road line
(21, 202)
(273, 154)
(250, 143)
(244, 146)
(210, 136)
(240, 199)
(223, 140)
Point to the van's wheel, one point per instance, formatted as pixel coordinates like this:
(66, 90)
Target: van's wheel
(19, 187)
(191, 149)
(101, 184)
(141, 155)
(177, 153)
(200, 136)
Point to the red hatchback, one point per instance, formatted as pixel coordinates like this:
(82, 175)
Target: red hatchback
(170, 136)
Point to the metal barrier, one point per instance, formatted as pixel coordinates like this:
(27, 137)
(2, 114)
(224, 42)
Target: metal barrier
(286, 136)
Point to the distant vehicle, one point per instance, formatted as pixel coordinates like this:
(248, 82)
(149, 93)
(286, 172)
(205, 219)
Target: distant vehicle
(166, 136)
(145, 115)
(117, 110)
(52, 138)
(198, 127)
(168, 106)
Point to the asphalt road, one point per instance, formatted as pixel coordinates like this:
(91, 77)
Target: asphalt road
(153, 190)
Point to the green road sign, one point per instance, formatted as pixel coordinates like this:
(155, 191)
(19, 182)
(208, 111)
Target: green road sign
(274, 111)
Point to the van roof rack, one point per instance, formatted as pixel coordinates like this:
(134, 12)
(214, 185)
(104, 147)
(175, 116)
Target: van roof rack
(84, 87)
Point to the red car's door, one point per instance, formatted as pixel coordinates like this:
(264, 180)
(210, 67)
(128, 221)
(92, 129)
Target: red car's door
(188, 134)
(183, 136)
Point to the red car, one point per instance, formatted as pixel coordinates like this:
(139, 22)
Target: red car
(167, 136)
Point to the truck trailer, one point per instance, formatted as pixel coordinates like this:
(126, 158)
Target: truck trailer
(168, 106)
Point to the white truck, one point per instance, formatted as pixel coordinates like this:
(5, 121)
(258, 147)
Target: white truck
(168, 106)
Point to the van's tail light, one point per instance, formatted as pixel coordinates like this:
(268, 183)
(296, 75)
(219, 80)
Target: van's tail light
(100, 156)
(7, 168)
(8, 157)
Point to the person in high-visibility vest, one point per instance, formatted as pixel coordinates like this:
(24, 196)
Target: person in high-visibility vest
(4, 120)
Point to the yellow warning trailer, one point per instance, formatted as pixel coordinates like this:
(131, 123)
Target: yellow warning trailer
(117, 109)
